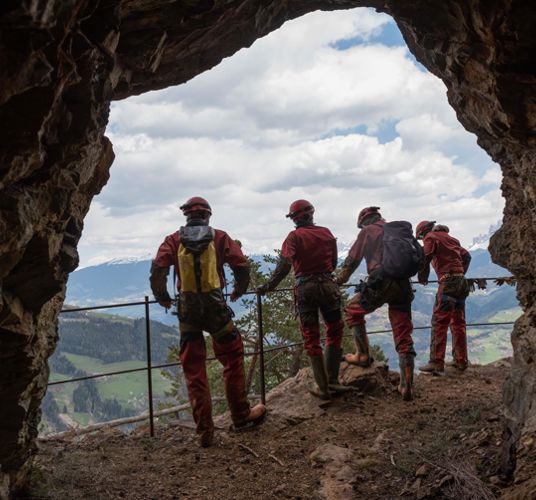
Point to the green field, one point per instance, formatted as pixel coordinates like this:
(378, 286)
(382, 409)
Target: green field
(507, 315)
(129, 389)
(126, 388)
(489, 344)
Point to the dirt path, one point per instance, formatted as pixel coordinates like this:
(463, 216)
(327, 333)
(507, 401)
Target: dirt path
(363, 446)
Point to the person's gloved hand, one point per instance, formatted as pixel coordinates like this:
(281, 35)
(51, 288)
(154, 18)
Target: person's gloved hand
(165, 303)
(340, 280)
(262, 289)
(423, 281)
(234, 296)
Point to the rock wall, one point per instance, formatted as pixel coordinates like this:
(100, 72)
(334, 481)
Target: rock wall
(63, 61)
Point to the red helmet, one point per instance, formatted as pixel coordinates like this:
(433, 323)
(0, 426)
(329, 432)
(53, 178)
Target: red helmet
(365, 213)
(196, 204)
(423, 227)
(300, 207)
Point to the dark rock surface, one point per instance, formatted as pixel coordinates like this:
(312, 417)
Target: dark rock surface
(63, 61)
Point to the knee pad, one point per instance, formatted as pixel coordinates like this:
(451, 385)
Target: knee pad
(227, 334)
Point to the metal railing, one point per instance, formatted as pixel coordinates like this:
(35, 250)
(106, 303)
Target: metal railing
(149, 367)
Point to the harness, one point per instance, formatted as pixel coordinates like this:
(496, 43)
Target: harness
(446, 276)
(304, 278)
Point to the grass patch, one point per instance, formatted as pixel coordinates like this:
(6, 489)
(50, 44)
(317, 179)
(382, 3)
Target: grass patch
(82, 418)
(125, 388)
(507, 315)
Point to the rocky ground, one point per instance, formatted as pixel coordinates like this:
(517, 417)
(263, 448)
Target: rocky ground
(367, 444)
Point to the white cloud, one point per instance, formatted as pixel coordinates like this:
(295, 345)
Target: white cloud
(263, 128)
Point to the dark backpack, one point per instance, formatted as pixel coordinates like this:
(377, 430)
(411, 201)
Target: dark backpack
(402, 254)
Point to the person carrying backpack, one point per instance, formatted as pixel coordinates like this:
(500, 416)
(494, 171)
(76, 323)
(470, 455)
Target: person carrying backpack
(197, 252)
(450, 262)
(312, 251)
(392, 255)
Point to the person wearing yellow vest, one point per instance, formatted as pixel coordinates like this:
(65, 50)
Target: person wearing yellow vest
(198, 253)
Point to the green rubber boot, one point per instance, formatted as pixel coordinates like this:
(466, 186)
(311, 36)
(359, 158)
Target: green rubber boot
(407, 364)
(320, 390)
(332, 360)
(361, 348)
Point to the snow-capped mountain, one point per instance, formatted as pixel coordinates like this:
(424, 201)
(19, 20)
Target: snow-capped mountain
(481, 242)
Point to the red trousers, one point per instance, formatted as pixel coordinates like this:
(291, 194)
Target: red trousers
(193, 356)
(448, 311)
(313, 294)
(401, 324)
(311, 336)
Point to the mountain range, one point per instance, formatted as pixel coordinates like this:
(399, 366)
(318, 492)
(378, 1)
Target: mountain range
(126, 280)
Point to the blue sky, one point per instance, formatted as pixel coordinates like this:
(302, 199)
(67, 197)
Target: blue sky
(332, 107)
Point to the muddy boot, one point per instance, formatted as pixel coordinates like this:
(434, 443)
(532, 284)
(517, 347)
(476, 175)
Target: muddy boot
(206, 438)
(255, 417)
(405, 388)
(332, 360)
(320, 390)
(362, 356)
(433, 367)
(461, 365)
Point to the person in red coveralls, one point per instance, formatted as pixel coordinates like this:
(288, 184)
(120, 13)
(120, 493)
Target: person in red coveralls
(450, 262)
(312, 251)
(372, 294)
(198, 252)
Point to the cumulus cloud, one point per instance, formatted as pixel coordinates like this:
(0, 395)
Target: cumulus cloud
(294, 116)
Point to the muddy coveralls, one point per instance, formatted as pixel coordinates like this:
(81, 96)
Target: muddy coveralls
(311, 251)
(375, 292)
(450, 262)
(207, 311)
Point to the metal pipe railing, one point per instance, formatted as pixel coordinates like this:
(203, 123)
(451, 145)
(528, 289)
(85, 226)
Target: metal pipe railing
(149, 367)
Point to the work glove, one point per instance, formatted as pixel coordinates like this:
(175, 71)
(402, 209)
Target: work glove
(262, 289)
(165, 303)
(234, 296)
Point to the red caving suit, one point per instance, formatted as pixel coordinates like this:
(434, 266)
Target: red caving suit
(379, 290)
(312, 250)
(208, 312)
(450, 262)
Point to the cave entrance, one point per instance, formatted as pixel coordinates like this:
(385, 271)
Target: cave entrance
(332, 107)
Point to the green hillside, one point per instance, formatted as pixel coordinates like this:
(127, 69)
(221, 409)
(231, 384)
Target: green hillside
(93, 343)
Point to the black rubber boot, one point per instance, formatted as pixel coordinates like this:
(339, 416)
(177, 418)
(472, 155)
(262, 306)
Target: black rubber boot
(407, 364)
(332, 360)
(321, 389)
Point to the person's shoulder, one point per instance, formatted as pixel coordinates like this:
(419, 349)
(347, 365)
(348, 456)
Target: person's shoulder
(322, 228)
(432, 235)
(456, 240)
(373, 228)
(173, 237)
(293, 234)
(327, 232)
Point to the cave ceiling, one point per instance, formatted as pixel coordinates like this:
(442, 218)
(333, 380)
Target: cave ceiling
(63, 61)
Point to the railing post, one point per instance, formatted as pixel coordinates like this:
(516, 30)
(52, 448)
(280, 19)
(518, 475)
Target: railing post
(261, 347)
(149, 365)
